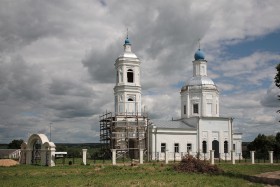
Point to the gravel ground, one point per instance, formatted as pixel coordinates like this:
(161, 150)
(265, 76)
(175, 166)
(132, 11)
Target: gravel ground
(269, 178)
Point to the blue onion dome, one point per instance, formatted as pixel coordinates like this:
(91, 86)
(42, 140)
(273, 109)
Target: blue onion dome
(127, 42)
(199, 55)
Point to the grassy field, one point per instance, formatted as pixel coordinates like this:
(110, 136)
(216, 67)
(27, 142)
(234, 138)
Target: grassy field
(152, 174)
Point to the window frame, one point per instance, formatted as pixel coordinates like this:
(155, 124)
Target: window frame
(189, 147)
(195, 108)
(163, 147)
(204, 146)
(226, 146)
(130, 76)
(176, 147)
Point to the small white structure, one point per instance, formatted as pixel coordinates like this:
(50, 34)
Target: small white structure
(38, 150)
(10, 153)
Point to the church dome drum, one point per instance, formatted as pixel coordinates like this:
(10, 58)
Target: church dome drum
(200, 81)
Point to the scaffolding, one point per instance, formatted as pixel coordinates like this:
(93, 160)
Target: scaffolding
(125, 133)
(106, 133)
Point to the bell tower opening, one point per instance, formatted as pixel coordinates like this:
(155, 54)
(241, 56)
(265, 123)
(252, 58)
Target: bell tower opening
(130, 75)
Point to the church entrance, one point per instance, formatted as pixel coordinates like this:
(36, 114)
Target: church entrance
(38, 150)
(36, 153)
(215, 146)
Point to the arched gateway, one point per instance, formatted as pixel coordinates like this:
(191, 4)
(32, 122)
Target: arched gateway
(38, 150)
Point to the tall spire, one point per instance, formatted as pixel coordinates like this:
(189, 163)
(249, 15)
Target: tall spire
(127, 42)
(126, 33)
(199, 54)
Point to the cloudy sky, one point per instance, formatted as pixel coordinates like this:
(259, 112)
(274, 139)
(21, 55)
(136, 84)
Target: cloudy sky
(57, 61)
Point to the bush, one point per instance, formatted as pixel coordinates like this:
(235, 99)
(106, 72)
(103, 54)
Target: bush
(191, 164)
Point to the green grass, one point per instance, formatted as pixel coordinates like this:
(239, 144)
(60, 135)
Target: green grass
(153, 174)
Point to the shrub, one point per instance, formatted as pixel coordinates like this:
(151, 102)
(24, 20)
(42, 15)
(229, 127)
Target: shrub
(191, 164)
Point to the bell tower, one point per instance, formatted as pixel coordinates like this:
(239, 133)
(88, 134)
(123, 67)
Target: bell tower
(127, 90)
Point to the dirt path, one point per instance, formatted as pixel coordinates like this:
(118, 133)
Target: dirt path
(270, 178)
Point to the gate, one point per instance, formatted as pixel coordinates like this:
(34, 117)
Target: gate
(215, 146)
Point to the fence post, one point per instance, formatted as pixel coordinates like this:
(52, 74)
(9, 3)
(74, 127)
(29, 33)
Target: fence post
(113, 156)
(157, 156)
(253, 156)
(212, 156)
(166, 157)
(85, 156)
(271, 157)
(232, 157)
(141, 156)
(239, 157)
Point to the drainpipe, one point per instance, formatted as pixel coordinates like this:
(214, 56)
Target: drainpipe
(198, 135)
(231, 120)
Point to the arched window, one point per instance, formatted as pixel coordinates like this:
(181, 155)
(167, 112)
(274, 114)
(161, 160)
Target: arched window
(226, 147)
(130, 99)
(130, 75)
(195, 108)
(204, 147)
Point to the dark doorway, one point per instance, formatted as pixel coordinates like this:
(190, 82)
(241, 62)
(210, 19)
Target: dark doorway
(204, 147)
(215, 146)
(226, 147)
(132, 149)
(36, 153)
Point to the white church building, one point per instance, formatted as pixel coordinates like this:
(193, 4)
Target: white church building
(199, 130)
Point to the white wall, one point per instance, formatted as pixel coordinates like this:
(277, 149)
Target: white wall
(219, 129)
(170, 137)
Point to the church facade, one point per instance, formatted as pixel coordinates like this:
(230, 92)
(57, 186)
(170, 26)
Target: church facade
(199, 130)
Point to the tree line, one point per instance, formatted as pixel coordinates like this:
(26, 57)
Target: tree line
(262, 144)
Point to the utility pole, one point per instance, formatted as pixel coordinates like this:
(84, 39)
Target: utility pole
(50, 132)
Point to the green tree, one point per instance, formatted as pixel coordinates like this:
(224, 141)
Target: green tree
(277, 80)
(277, 76)
(262, 144)
(277, 144)
(15, 144)
(277, 138)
